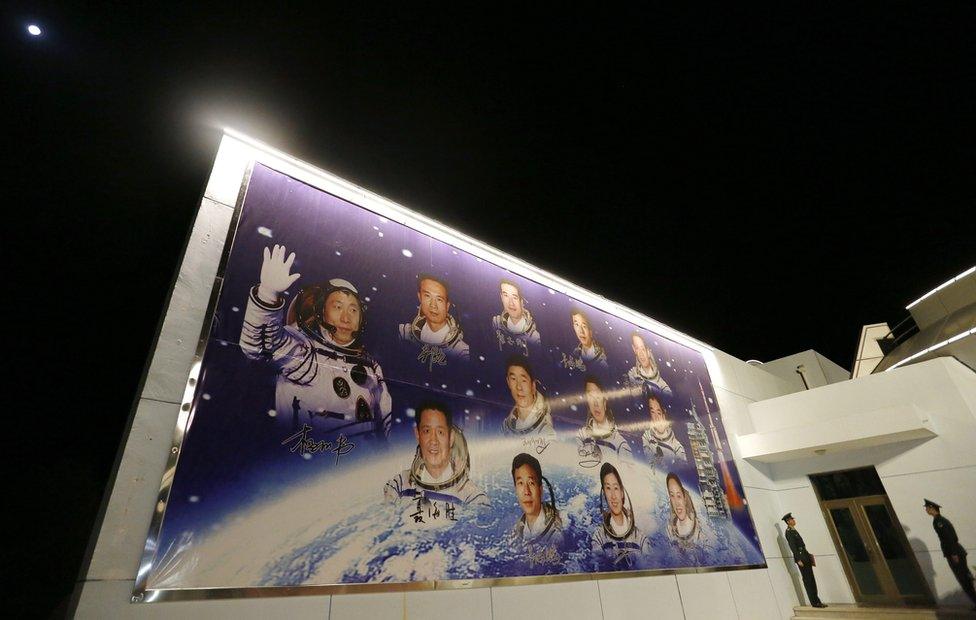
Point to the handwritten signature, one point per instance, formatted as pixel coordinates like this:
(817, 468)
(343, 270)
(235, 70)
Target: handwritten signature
(572, 363)
(432, 354)
(539, 443)
(542, 555)
(303, 443)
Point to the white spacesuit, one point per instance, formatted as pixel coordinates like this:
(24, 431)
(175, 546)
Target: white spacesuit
(334, 388)
(663, 449)
(537, 422)
(641, 380)
(517, 335)
(624, 546)
(446, 342)
(429, 501)
(546, 531)
(600, 441)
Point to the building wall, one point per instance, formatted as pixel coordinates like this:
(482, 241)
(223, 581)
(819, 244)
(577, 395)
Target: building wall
(107, 581)
(942, 468)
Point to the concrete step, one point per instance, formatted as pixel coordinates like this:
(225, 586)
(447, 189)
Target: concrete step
(866, 612)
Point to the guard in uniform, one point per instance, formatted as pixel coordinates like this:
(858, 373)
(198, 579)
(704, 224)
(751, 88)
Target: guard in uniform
(954, 552)
(804, 560)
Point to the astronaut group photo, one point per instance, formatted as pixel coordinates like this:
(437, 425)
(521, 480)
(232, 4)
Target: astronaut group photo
(378, 405)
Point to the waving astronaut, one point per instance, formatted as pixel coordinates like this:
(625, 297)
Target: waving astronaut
(324, 372)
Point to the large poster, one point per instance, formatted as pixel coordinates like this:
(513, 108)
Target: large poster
(376, 406)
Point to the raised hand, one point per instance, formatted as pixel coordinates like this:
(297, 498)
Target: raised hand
(275, 276)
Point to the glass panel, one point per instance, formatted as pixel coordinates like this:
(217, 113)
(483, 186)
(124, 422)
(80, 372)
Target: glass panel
(857, 555)
(895, 554)
(845, 484)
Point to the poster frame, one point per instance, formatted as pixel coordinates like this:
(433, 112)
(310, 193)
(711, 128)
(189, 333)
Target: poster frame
(257, 153)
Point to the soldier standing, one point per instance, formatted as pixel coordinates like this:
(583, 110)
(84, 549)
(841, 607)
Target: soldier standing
(954, 552)
(804, 560)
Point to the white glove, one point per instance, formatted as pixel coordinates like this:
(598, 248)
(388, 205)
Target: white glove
(275, 278)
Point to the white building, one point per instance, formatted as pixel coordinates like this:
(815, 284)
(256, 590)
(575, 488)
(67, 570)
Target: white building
(789, 419)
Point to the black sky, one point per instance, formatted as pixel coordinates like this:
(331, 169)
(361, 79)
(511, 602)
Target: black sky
(764, 179)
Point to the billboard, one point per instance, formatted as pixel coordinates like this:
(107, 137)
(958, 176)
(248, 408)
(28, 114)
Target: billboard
(379, 408)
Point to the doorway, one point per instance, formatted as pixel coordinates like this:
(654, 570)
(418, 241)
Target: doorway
(871, 543)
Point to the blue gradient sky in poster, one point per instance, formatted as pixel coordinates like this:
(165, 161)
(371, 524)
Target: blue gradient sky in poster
(234, 467)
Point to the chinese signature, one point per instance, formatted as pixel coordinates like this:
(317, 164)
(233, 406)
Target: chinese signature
(572, 363)
(512, 341)
(542, 555)
(303, 443)
(432, 354)
(433, 511)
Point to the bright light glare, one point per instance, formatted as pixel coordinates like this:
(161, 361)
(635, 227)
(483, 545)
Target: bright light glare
(34, 30)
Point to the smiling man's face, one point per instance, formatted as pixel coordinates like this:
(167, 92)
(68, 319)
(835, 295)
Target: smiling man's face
(435, 439)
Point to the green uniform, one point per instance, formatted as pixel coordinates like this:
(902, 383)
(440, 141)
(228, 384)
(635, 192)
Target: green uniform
(951, 547)
(800, 554)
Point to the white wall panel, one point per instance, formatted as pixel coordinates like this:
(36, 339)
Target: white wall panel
(831, 580)
(809, 519)
(954, 489)
(707, 596)
(110, 599)
(578, 600)
(228, 172)
(941, 581)
(384, 606)
(753, 594)
(474, 604)
(765, 509)
(184, 317)
(641, 597)
(721, 371)
(129, 511)
(786, 584)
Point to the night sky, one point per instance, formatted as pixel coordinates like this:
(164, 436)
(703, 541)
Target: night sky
(766, 180)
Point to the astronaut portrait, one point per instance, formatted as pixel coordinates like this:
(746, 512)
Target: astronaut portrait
(437, 485)
(434, 329)
(683, 528)
(661, 447)
(588, 350)
(618, 541)
(599, 438)
(514, 328)
(540, 523)
(325, 376)
(645, 373)
(530, 414)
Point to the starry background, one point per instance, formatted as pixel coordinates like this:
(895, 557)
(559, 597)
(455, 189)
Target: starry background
(766, 179)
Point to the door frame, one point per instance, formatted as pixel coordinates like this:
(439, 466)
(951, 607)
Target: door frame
(890, 595)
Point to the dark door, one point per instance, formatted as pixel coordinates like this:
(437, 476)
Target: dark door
(874, 551)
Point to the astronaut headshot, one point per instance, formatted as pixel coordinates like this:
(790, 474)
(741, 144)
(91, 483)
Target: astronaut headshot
(434, 328)
(530, 414)
(645, 372)
(661, 448)
(325, 377)
(618, 541)
(599, 438)
(588, 350)
(514, 328)
(437, 484)
(684, 529)
(540, 523)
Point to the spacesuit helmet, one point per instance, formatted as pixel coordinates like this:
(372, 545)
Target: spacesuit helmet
(307, 309)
